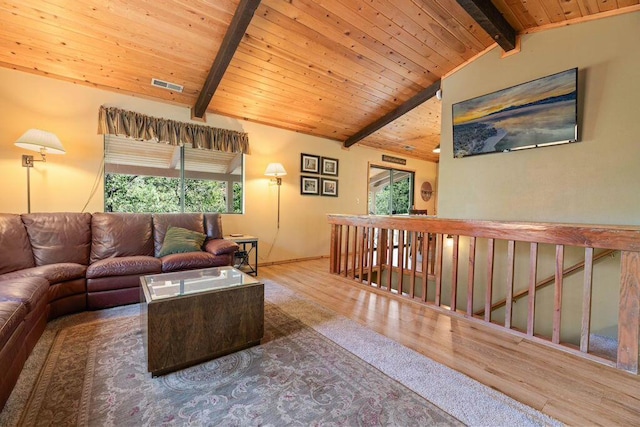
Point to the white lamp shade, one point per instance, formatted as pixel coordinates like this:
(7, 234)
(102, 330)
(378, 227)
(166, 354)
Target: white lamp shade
(36, 140)
(275, 169)
(437, 149)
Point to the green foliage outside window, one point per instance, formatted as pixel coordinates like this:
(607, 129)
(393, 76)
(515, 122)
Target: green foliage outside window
(401, 200)
(135, 193)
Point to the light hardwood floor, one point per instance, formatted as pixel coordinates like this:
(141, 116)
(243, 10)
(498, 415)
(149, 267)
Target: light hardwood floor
(570, 389)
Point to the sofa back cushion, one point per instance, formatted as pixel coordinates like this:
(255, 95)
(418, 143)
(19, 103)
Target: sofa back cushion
(162, 222)
(213, 226)
(59, 237)
(14, 243)
(121, 234)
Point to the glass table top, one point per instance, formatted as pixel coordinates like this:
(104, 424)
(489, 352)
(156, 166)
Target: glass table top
(181, 283)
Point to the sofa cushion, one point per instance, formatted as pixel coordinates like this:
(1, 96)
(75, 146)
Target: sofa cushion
(27, 290)
(121, 235)
(124, 266)
(220, 246)
(15, 244)
(180, 240)
(12, 314)
(191, 261)
(162, 222)
(59, 237)
(54, 273)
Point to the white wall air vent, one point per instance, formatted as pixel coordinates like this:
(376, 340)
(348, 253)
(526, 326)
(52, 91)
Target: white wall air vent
(166, 85)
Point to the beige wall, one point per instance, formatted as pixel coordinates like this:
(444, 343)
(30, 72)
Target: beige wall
(593, 181)
(65, 182)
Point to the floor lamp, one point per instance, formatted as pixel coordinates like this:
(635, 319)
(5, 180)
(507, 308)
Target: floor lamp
(45, 143)
(276, 170)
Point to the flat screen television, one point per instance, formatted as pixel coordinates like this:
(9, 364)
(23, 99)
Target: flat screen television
(538, 113)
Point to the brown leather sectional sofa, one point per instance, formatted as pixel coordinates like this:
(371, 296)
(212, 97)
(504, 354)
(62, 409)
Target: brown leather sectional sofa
(53, 264)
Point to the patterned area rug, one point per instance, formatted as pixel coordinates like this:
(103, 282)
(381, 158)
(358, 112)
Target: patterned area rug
(95, 374)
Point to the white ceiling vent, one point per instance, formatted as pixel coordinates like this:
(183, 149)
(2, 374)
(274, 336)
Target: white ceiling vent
(166, 85)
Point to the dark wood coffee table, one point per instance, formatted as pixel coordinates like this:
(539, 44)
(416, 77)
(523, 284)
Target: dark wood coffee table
(192, 316)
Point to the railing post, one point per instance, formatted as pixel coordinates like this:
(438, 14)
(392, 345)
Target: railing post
(334, 248)
(629, 313)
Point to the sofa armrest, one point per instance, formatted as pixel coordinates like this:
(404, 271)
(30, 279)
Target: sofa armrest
(220, 246)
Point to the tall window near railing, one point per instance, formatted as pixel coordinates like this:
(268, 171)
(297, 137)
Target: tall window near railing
(390, 190)
(147, 176)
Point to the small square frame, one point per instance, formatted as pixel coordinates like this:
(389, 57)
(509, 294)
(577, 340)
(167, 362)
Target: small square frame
(329, 166)
(329, 187)
(309, 163)
(309, 185)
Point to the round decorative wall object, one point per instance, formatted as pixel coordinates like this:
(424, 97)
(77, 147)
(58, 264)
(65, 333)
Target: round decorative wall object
(426, 191)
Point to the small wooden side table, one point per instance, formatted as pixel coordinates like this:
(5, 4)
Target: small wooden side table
(247, 257)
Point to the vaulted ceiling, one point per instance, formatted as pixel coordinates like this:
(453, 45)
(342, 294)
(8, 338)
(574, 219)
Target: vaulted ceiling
(348, 70)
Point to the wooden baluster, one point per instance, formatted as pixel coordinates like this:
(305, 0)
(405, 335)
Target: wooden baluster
(339, 254)
(533, 279)
(390, 264)
(370, 252)
(401, 260)
(511, 257)
(491, 245)
(557, 296)
(629, 312)
(586, 300)
(414, 262)
(454, 273)
(332, 249)
(346, 251)
(354, 251)
(382, 252)
(425, 263)
(432, 253)
(363, 253)
(471, 276)
(438, 268)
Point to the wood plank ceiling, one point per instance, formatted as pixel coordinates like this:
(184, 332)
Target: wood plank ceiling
(321, 67)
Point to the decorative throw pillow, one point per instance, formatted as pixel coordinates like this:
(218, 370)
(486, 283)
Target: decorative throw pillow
(180, 240)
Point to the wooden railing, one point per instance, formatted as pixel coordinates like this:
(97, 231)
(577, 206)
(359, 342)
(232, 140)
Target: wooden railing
(423, 259)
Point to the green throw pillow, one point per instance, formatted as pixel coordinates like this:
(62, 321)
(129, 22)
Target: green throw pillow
(180, 240)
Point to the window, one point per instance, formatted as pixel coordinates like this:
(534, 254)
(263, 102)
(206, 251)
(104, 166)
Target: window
(390, 190)
(146, 176)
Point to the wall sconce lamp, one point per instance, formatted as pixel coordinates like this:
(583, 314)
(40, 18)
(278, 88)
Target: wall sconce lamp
(45, 143)
(276, 170)
(437, 149)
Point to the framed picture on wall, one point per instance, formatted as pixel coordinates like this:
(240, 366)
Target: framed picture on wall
(329, 187)
(309, 163)
(309, 185)
(329, 166)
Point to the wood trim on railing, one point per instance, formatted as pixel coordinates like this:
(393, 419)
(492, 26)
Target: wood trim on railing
(622, 238)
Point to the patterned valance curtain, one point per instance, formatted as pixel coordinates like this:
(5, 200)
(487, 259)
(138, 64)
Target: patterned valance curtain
(114, 121)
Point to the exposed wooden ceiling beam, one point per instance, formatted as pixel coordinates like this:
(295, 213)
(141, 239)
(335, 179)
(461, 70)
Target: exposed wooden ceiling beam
(235, 32)
(412, 103)
(492, 21)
